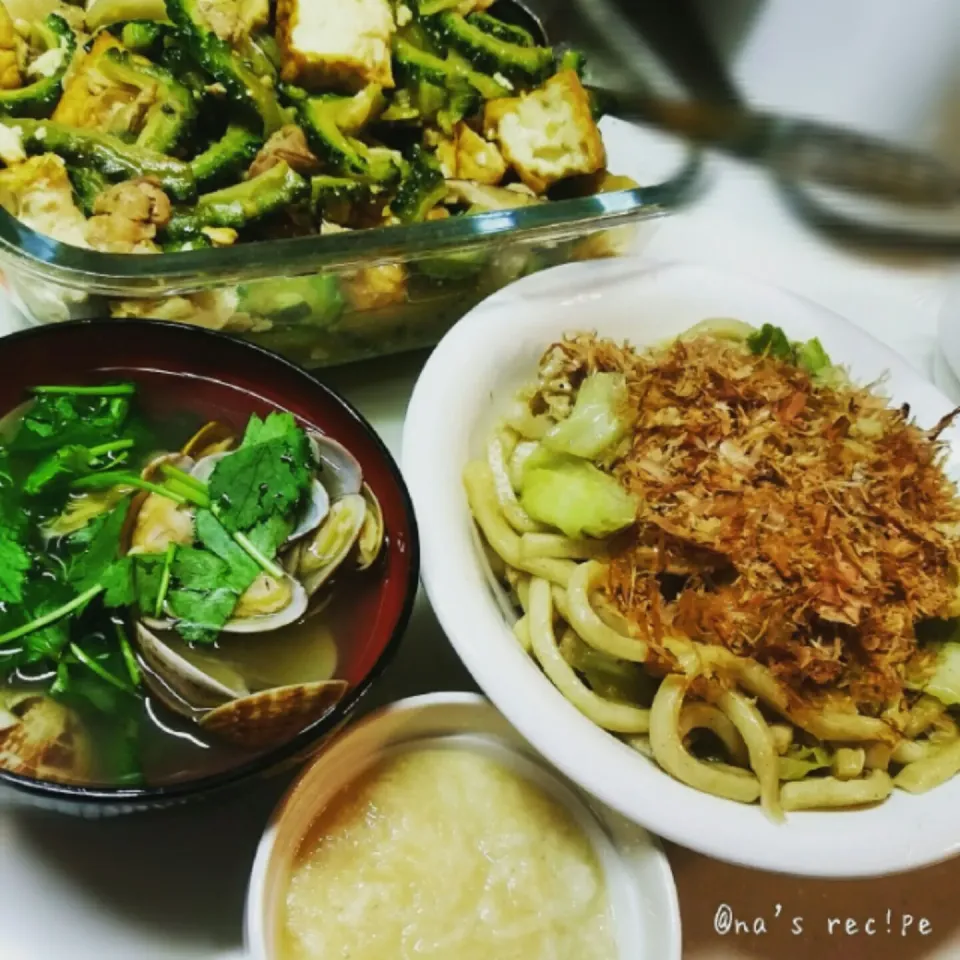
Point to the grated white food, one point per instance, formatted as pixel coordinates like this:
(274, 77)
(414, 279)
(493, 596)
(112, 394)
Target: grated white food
(446, 853)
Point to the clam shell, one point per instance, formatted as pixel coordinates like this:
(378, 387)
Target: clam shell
(154, 521)
(370, 541)
(274, 621)
(299, 601)
(340, 471)
(42, 738)
(320, 557)
(273, 716)
(212, 437)
(177, 683)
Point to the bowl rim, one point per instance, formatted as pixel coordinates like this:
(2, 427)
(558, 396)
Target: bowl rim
(316, 732)
(627, 839)
(541, 714)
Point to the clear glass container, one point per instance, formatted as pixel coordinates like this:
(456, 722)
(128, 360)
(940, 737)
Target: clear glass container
(325, 300)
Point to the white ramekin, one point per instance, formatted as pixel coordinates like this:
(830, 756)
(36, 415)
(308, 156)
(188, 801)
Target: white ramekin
(640, 883)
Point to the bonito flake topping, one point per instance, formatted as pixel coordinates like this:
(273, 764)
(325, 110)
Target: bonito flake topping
(794, 518)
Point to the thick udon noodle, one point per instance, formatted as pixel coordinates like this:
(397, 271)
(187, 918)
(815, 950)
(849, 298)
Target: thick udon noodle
(554, 583)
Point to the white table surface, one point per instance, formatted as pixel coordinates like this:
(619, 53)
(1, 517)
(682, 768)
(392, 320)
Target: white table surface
(170, 886)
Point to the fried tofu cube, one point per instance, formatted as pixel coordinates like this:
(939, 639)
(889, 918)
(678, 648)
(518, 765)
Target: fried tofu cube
(342, 43)
(478, 159)
(548, 134)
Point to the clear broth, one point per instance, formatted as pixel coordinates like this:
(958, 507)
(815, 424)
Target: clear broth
(172, 748)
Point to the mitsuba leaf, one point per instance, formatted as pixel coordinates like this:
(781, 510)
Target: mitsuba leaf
(14, 564)
(98, 546)
(58, 420)
(47, 643)
(201, 615)
(241, 570)
(118, 583)
(147, 573)
(268, 535)
(268, 476)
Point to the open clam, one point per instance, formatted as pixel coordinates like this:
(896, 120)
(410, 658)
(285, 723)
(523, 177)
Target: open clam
(320, 556)
(157, 521)
(340, 471)
(221, 701)
(42, 738)
(341, 524)
(370, 541)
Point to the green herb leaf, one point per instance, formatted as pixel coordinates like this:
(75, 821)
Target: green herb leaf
(269, 475)
(118, 583)
(202, 614)
(275, 426)
(48, 642)
(58, 420)
(241, 570)
(270, 534)
(14, 564)
(69, 461)
(772, 341)
(203, 599)
(99, 541)
(147, 577)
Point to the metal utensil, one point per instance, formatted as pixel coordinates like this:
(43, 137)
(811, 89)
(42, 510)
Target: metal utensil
(838, 179)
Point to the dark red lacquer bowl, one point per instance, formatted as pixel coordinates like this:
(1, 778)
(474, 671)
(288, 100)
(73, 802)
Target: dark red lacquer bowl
(207, 373)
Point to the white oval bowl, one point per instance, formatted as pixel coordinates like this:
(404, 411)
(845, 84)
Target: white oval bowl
(464, 388)
(639, 881)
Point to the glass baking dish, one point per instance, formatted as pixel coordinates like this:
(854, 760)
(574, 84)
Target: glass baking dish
(325, 300)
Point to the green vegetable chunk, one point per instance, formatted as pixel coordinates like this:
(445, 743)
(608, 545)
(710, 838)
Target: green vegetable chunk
(38, 99)
(243, 84)
(574, 496)
(88, 184)
(813, 358)
(600, 418)
(809, 356)
(945, 682)
(325, 120)
(143, 36)
(772, 341)
(241, 204)
(170, 117)
(115, 159)
(422, 188)
(416, 65)
(800, 761)
(226, 159)
(493, 55)
(501, 30)
(317, 300)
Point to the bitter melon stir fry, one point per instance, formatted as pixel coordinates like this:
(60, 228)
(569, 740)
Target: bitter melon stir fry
(739, 561)
(142, 126)
(172, 593)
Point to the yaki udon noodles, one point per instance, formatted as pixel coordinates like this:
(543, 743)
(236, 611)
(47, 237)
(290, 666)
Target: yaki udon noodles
(727, 554)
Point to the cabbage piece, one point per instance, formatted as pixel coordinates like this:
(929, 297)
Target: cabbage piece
(799, 761)
(945, 682)
(599, 420)
(813, 358)
(574, 496)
